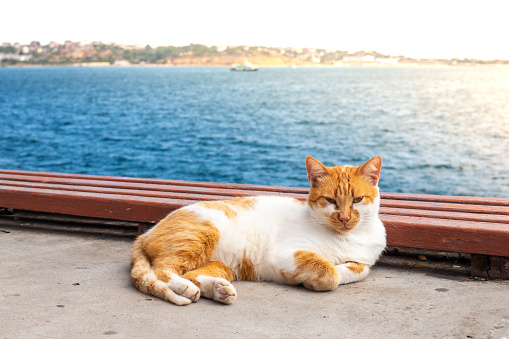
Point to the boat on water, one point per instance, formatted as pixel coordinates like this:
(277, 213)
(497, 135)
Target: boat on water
(246, 66)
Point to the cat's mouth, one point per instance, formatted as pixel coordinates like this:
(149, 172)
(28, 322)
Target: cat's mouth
(342, 227)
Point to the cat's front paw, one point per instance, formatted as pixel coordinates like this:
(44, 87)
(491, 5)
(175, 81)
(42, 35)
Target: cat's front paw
(224, 291)
(184, 288)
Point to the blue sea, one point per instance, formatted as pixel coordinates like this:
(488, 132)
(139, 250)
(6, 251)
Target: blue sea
(440, 130)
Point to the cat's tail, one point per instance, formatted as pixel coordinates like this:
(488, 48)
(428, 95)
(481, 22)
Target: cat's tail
(146, 280)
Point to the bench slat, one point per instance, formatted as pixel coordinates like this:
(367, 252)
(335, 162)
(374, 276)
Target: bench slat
(267, 188)
(503, 219)
(129, 185)
(447, 235)
(446, 199)
(108, 190)
(96, 205)
(438, 206)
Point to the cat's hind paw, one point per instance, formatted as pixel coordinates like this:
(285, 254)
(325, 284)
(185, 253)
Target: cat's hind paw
(224, 291)
(184, 288)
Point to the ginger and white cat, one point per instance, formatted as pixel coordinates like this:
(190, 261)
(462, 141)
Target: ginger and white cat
(331, 239)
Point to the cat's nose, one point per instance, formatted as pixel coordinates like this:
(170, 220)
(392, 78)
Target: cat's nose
(344, 220)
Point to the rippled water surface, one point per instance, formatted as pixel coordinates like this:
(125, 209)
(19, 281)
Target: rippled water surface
(440, 130)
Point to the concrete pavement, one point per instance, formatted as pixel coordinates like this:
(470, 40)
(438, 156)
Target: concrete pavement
(56, 285)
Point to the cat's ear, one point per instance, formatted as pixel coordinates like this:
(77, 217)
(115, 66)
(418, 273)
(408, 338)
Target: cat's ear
(316, 170)
(371, 169)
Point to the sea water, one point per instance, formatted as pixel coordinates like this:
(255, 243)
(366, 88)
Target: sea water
(440, 130)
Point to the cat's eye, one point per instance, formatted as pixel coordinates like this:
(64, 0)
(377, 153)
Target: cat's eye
(358, 199)
(332, 201)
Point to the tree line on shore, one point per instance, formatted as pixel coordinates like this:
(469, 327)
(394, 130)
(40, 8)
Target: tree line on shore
(197, 54)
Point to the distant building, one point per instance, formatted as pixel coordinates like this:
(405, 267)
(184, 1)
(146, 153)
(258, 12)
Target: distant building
(6, 44)
(387, 61)
(24, 57)
(92, 64)
(11, 56)
(358, 58)
(121, 63)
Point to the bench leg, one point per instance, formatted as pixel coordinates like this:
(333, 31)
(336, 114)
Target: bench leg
(490, 266)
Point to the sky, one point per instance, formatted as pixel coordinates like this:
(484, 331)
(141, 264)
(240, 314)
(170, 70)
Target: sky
(419, 29)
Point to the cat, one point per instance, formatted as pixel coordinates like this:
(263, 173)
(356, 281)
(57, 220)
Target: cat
(331, 239)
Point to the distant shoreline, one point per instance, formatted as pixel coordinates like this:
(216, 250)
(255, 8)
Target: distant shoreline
(96, 53)
(399, 65)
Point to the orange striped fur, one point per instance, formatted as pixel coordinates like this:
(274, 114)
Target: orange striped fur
(247, 271)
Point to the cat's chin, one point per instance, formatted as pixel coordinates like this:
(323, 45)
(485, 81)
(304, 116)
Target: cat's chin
(343, 229)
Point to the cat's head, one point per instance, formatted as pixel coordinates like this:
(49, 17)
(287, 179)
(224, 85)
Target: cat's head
(344, 195)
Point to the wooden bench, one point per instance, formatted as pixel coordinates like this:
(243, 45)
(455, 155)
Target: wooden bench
(479, 226)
